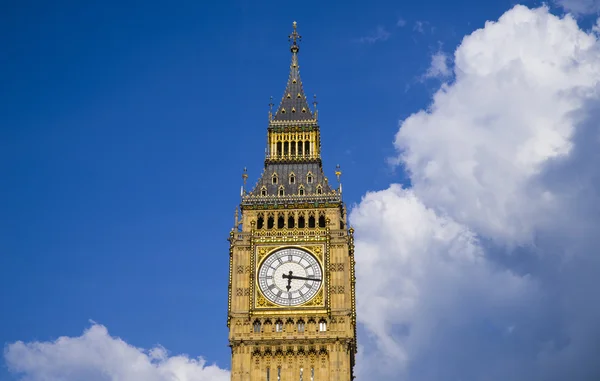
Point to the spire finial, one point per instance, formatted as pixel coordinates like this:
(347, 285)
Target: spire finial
(244, 177)
(271, 109)
(338, 174)
(294, 38)
(315, 106)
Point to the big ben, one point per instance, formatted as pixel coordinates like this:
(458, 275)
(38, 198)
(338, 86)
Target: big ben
(291, 307)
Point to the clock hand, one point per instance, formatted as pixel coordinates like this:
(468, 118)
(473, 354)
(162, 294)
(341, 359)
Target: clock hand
(304, 278)
(291, 276)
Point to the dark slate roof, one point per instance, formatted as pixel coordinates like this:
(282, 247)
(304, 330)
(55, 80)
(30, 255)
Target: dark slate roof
(291, 191)
(300, 171)
(294, 105)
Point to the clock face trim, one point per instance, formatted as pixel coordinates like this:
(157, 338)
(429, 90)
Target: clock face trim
(290, 277)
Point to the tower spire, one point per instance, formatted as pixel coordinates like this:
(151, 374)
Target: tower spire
(293, 105)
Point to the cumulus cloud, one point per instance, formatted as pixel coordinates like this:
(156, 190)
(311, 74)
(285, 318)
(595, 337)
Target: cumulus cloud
(97, 356)
(580, 7)
(485, 268)
(380, 34)
(439, 67)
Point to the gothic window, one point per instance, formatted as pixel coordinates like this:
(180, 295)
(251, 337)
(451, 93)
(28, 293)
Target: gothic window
(281, 191)
(300, 325)
(299, 148)
(311, 221)
(319, 189)
(263, 191)
(278, 148)
(291, 222)
(309, 178)
(322, 325)
(270, 222)
(301, 222)
(293, 148)
(274, 178)
(280, 222)
(292, 178)
(307, 148)
(301, 191)
(260, 222)
(278, 326)
(286, 148)
(321, 221)
(257, 326)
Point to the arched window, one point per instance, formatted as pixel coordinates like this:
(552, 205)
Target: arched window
(281, 191)
(280, 222)
(300, 326)
(300, 148)
(291, 222)
(311, 221)
(292, 178)
(278, 148)
(286, 148)
(301, 190)
(293, 148)
(270, 222)
(278, 326)
(322, 325)
(309, 178)
(306, 148)
(263, 191)
(257, 326)
(260, 222)
(321, 221)
(274, 178)
(319, 189)
(301, 222)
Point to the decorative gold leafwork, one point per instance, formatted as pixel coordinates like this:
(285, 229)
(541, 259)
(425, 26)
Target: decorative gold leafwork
(316, 301)
(261, 301)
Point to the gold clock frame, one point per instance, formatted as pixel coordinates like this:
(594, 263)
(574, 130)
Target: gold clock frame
(259, 303)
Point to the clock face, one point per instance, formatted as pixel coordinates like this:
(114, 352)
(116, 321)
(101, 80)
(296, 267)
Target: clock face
(290, 277)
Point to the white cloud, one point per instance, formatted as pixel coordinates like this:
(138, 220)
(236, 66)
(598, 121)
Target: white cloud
(580, 7)
(419, 26)
(439, 66)
(401, 22)
(486, 268)
(96, 356)
(380, 34)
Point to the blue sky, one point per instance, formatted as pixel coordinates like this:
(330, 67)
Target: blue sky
(125, 126)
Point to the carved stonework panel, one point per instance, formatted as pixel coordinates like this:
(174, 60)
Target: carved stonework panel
(337, 289)
(336, 267)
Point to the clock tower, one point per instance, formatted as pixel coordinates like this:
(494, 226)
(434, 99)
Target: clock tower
(291, 307)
